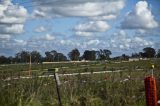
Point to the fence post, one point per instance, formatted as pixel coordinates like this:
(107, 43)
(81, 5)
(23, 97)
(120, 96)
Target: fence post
(151, 91)
(57, 84)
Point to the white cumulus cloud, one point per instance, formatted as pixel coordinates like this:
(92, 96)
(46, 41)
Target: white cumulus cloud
(96, 11)
(140, 18)
(93, 42)
(78, 8)
(88, 28)
(93, 26)
(42, 38)
(80, 33)
(4, 37)
(12, 19)
(48, 37)
(122, 41)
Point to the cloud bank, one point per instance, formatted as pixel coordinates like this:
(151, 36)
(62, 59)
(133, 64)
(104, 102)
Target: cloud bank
(140, 18)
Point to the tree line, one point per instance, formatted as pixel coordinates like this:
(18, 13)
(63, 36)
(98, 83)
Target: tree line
(74, 55)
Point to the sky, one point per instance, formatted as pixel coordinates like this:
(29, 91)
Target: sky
(122, 26)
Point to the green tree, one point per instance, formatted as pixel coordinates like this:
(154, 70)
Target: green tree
(60, 57)
(103, 54)
(4, 60)
(149, 52)
(36, 56)
(50, 55)
(22, 56)
(74, 54)
(136, 55)
(89, 55)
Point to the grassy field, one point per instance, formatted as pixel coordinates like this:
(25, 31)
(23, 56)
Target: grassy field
(125, 88)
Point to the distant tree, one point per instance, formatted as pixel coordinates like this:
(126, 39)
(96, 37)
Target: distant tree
(116, 58)
(142, 54)
(103, 54)
(149, 52)
(135, 55)
(74, 54)
(89, 55)
(107, 53)
(22, 57)
(125, 57)
(60, 57)
(36, 56)
(54, 56)
(10, 60)
(50, 55)
(158, 53)
(4, 60)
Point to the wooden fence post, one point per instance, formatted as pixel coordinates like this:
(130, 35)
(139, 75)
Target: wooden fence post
(57, 84)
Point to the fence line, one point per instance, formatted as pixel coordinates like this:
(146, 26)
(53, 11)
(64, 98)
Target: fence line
(60, 75)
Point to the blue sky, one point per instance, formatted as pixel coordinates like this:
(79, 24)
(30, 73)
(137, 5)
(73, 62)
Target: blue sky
(122, 26)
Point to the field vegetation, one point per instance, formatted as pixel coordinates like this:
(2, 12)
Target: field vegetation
(124, 88)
